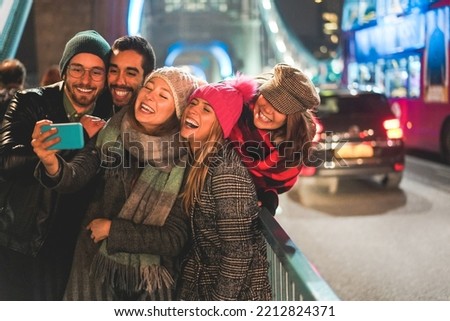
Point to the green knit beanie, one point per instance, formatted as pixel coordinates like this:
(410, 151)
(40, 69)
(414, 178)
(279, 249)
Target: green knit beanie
(88, 41)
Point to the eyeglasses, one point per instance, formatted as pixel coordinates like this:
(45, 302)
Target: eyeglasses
(78, 71)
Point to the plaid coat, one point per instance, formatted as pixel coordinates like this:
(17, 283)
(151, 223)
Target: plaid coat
(227, 260)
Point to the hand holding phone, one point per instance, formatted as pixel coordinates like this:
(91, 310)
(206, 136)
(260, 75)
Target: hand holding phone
(92, 124)
(70, 134)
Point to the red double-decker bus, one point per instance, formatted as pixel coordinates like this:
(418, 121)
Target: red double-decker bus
(402, 48)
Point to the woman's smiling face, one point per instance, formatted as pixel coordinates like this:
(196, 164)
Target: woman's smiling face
(155, 104)
(265, 116)
(197, 121)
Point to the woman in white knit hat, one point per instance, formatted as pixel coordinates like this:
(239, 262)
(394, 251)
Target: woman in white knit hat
(133, 230)
(275, 132)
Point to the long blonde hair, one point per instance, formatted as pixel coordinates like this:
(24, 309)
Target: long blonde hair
(200, 161)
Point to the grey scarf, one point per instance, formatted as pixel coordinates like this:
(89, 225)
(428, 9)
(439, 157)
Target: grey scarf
(149, 202)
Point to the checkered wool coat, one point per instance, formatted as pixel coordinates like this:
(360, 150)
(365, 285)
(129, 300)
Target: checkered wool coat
(227, 260)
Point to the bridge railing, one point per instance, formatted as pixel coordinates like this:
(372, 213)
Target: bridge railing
(13, 18)
(292, 276)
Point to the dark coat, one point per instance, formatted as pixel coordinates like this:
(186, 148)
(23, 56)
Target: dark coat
(112, 191)
(228, 257)
(5, 98)
(38, 227)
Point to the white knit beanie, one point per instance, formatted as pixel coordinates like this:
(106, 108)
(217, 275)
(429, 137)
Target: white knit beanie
(181, 82)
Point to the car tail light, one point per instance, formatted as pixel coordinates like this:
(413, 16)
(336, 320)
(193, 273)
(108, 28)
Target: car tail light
(398, 167)
(307, 171)
(393, 129)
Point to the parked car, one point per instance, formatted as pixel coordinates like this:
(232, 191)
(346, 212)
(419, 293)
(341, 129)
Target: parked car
(358, 136)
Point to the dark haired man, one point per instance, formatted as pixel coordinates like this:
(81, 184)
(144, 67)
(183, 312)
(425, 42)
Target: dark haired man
(132, 59)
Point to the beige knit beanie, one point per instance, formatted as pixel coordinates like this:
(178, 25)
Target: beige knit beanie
(289, 90)
(181, 82)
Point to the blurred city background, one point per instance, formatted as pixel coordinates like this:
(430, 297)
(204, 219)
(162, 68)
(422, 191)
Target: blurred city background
(252, 34)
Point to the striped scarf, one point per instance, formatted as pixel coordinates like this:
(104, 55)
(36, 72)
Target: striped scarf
(149, 202)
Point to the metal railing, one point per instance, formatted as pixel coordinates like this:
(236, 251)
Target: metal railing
(292, 276)
(13, 18)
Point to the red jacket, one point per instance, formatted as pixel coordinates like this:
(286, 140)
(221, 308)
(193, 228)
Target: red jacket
(262, 158)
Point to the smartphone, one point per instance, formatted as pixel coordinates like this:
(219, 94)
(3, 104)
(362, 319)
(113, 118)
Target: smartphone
(71, 135)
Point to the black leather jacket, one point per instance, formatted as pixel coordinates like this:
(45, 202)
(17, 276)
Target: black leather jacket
(29, 212)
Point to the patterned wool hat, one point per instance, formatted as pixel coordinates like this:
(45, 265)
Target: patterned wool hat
(88, 41)
(181, 82)
(289, 90)
(227, 99)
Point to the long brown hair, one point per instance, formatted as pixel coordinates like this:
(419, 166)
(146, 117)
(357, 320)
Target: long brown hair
(296, 137)
(200, 161)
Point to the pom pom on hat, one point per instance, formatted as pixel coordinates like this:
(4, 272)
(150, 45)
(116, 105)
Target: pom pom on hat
(227, 99)
(289, 90)
(88, 41)
(181, 83)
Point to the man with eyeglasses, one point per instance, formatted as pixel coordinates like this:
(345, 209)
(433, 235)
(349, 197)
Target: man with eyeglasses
(38, 227)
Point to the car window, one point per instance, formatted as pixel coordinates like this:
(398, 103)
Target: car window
(353, 104)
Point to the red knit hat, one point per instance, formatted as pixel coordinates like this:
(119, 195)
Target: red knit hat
(227, 99)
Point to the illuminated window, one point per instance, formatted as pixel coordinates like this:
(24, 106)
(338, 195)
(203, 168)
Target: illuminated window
(379, 75)
(414, 76)
(350, 15)
(367, 74)
(367, 10)
(397, 78)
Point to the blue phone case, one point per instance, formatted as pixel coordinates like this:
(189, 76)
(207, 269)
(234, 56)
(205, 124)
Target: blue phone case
(71, 135)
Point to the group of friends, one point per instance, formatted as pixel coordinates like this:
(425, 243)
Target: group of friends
(163, 201)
